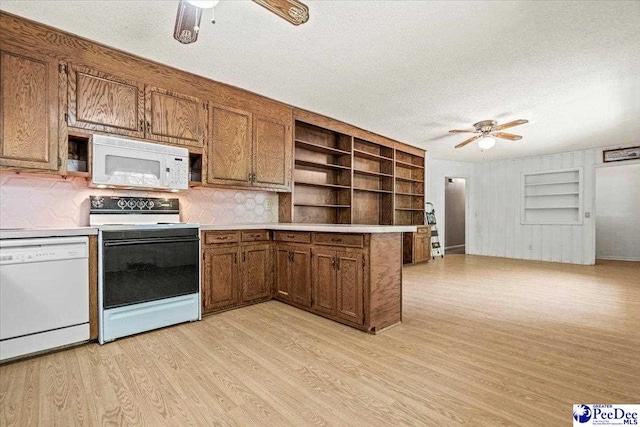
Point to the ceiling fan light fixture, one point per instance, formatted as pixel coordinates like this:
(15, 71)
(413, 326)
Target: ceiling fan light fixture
(486, 142)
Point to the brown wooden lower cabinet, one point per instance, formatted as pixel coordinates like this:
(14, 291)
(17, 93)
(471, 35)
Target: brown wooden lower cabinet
(338, 283)
(256, 272)
(293, 274)
(234, 274)
(220, 278)
(417, 246)
(358, 286)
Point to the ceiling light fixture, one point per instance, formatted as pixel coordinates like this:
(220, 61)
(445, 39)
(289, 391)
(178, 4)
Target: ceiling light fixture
(203, 4)
(486, 142)
(188, 19)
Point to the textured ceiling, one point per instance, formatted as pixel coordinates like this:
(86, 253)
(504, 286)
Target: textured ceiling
(410, 70)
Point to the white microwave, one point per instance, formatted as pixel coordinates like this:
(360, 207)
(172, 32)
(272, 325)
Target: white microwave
(127, 163)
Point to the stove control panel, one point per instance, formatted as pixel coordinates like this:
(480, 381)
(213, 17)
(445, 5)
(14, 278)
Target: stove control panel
(114, 204)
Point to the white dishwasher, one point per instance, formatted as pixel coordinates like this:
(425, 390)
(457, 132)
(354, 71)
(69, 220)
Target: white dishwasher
(44, 294)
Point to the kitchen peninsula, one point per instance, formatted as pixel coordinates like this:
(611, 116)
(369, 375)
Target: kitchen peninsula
(348, 273)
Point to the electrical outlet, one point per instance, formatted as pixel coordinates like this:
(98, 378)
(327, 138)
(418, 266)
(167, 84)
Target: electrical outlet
(530, 246)
(587, 214)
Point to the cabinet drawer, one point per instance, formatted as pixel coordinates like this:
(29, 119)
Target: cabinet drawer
(292, 236)
(255, 236)
(339, 239)
(424, 229)
(221, 237)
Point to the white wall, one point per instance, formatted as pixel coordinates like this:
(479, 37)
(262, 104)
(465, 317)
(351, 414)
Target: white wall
(493, 207)
(498, 208)
(618, 212)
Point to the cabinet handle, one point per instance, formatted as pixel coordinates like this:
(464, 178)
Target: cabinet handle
(244, 256)
(337, 263)
(333, 263)
(148, 127)
(235, 258)
(222, 237)
(291, 236)
(249, 177)
(291, 256)
(336, 240)
(141, 125)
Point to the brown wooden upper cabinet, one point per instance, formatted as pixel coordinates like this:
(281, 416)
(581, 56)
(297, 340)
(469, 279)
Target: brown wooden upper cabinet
(28, 110)
(174, 118)
(272, 153)
(249, 150)
(230, 147)
(107, 103)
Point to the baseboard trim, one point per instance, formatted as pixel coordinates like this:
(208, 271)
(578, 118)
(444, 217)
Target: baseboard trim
(454, 247)
(617, 258)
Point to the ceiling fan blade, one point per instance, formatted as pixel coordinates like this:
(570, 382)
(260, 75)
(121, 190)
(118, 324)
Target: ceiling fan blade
(511, 124)
(508, 136)
(468, 141)
(291, 10)
(463, 131)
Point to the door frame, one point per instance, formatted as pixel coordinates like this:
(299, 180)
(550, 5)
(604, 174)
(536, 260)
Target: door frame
(466, 211)
(594, 210)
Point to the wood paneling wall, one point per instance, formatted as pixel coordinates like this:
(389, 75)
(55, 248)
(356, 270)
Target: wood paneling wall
(499, 232)
(493, 208)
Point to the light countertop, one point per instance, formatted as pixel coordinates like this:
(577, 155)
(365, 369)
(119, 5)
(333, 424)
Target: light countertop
(328, 228)
(31, 233)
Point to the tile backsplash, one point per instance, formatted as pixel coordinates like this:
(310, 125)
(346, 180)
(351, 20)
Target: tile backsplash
(37, 201)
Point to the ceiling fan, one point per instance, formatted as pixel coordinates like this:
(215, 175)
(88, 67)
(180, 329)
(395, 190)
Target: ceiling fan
(487, 129)
(190, 13)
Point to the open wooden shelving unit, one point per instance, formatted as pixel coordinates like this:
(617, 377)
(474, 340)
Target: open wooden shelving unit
(321, 176)
(409, 189)
(345, 179)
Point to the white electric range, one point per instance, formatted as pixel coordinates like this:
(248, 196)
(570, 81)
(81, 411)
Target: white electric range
(148, 265)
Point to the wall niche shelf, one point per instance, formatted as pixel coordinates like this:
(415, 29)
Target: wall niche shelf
(79, 154)
(552, 197)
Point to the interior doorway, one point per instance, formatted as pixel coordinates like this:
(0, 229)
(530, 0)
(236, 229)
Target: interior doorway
(617, 206)
(455, 197)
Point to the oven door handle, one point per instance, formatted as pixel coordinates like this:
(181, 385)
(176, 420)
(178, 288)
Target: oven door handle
(150, 241)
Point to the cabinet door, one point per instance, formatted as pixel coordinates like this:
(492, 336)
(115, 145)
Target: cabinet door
(174, 118)
(256, 272)
(324, 281)
(300, 278)
(229, 148)
(28, 110)
(422, 247)
(220, 282)
(350, 282)
(106, 103)
(283, 272)
(272, 154)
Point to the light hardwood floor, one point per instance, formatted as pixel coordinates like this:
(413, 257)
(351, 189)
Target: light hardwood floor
(484, 342)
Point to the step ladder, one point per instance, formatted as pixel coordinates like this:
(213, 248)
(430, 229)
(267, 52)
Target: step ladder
(430, 219)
